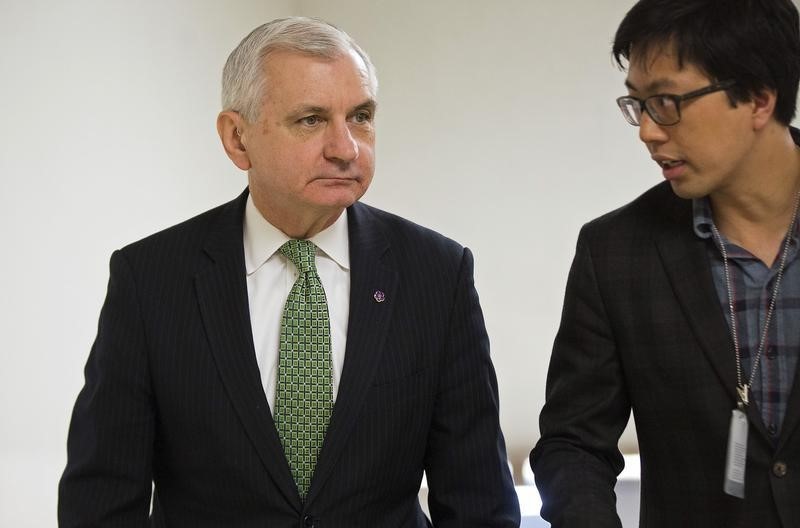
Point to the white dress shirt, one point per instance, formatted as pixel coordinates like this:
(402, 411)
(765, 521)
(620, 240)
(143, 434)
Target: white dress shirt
(270, 277)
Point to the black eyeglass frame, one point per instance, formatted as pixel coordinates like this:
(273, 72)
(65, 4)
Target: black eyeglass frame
(625, 100)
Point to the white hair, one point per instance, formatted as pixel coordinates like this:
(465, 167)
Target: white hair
(243, 79)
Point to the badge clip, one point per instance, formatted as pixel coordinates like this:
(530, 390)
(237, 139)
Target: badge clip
(743, 392)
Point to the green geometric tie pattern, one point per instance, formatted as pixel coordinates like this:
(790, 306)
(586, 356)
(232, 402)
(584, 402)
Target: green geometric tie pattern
(304, 395)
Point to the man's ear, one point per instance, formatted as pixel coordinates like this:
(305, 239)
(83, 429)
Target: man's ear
(230, 127)
(763, 103)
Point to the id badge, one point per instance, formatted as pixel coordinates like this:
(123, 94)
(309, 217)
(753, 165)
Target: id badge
(736, 457)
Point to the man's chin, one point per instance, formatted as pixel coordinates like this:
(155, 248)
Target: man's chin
(339, 196)
(686, 192)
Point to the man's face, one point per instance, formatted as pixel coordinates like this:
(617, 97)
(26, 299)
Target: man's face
(311, 150)
(707, 151)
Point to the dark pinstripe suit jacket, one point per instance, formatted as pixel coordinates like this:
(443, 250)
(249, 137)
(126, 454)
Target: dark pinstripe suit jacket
(173, 394)
(643, 328)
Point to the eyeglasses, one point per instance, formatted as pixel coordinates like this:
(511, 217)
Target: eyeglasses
(664, 109)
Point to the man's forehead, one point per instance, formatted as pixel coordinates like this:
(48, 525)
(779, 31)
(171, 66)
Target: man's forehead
(650, 85)
(363, 71)
(645, 56)
(656, 66)
(359, 60)
(274, 65)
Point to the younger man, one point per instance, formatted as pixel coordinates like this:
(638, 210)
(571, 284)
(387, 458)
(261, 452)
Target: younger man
(684, 305)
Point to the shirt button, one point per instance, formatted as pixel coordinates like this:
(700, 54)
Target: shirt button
(779, 469)
(772, 429)
(308, 521)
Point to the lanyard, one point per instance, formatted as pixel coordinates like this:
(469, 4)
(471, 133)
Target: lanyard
(743, 388)
(736, 454)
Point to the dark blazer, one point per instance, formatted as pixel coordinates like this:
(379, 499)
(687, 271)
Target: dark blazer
(173, 394)
(642, 328)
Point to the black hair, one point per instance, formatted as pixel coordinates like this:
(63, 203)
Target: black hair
(753, 42)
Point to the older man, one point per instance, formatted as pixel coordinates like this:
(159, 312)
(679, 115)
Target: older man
(293, 357)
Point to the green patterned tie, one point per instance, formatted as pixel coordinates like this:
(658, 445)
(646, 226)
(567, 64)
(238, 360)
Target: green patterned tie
(304, 396)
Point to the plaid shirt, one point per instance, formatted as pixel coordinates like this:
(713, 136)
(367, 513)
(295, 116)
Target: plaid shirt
(752, 283)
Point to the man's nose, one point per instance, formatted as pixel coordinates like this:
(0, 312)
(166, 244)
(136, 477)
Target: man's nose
(340, 144)
(650, 131)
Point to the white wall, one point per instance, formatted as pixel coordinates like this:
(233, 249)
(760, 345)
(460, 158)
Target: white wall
(497, 126)
(108, 112)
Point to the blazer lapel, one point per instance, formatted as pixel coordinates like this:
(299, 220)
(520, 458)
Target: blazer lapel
(792, 417)
(370, 273)
(222, 295)
(685, 260)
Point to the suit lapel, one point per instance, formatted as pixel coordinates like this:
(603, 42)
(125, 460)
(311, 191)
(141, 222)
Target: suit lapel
(222, 295)
(370, 272)
(685, 260)
(792, 417)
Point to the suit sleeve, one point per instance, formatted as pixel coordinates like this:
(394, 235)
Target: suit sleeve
(576, 461)
(108, 478)
(466, 463)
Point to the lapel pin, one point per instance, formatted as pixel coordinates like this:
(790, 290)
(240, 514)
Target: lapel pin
(379, 296)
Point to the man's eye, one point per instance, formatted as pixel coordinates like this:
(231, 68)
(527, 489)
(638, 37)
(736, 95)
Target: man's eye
(363, 117)
(310, 120)
(662, 101)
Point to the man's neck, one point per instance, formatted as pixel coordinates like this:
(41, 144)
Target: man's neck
(300, 225)
(756, 212)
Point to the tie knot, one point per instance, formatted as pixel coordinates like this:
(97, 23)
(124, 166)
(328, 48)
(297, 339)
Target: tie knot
(302, 253)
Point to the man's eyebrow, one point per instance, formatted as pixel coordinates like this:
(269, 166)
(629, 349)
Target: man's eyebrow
(308, 109)
(652, 87)
(305, 109)
(369, 104)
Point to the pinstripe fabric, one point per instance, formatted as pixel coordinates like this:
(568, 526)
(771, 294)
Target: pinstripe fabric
(173, 392)
(642, 329)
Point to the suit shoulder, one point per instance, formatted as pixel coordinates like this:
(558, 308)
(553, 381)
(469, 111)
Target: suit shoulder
(186, 236)
(654, 210)
(405, 234)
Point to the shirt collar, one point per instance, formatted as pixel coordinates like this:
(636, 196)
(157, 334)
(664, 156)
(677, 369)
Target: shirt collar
(262, 239)
(704, 220)
(702, 217)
